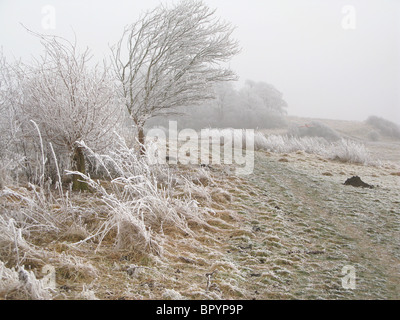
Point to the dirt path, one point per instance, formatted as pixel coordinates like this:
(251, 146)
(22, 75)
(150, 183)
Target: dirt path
(305, 226)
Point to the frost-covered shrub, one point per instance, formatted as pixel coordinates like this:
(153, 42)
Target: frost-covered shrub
(314, 129)
(342, 150)
(256, 105)
(286, 144)
(384, 126)
(348, 151)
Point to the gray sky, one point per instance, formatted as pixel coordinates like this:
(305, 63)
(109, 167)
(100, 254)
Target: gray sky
(303, 47)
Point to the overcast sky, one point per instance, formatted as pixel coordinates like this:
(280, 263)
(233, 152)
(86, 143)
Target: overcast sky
(331, 59)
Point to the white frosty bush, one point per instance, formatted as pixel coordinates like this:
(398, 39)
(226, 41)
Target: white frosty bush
(342, 150)
(348, 151)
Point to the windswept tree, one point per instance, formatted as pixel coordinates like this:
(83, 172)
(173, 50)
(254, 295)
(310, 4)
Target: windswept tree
(69, 100)
(172, 57)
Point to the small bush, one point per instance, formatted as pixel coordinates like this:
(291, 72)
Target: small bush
(384, 126)
(349, 151)
(342, 150)
(314, 129)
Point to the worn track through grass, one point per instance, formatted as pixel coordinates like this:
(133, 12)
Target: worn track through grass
(307, 226)
(287, 233)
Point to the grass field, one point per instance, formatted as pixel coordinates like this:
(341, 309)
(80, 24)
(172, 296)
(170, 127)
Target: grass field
(190, 232)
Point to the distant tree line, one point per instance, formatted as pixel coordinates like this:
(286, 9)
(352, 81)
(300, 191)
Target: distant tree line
(255, 105)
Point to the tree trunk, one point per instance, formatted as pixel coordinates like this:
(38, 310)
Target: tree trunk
(78, 161)
(141, 139)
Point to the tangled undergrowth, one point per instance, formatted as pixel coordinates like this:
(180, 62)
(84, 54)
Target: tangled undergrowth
(132, 213)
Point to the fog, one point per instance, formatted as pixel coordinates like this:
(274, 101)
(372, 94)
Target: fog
(327, 61)
(127, 175)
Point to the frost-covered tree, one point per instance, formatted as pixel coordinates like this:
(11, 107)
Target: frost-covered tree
(262, 105)
(3, 101)
(68, 99)
(172, 57)
(224, 99)
(8, 125)
(255, 105)
(261, 95)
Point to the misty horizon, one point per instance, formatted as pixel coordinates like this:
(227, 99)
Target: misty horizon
(302, 48)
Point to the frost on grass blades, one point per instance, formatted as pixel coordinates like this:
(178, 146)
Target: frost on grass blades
(343, 150)
(151, 175)
(210, 146)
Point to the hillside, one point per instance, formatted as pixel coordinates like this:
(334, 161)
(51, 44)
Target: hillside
(284, 232)
(385, 149)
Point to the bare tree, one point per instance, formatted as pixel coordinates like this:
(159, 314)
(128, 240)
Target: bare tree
(173, 59)
(3, 101)
(8, 125)
(68, 100)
